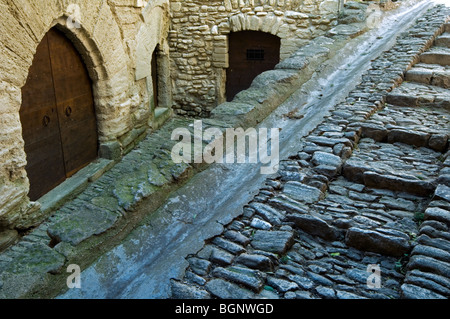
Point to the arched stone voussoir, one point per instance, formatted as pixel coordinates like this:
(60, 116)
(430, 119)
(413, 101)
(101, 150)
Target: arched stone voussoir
(269, 23)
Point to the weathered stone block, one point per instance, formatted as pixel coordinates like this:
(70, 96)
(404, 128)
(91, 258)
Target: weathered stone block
(183, 291)
(314, 226)
(415, 292)
(376, 132)
(226, 290)
(443, 192)
(374, 241)
(273, 241)
(86, 221)
(323, 158)
(410, 137)
(242, 276)
(395, 183)
(301, 192)
(438, 142)
(259, 262)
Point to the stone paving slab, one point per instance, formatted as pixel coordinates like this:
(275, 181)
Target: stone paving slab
(432, 74)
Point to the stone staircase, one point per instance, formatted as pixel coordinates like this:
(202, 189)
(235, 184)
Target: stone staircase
(370, 187)
(428, 273)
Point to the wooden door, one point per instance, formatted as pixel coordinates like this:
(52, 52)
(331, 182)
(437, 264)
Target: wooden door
(250, 54)
(57, 115)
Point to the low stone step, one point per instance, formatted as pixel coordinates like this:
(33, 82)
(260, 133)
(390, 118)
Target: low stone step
(436, 55)
(432, 74)
(393, 165)
(416, 94)
(443, 40)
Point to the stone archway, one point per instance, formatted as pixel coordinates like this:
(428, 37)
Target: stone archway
(270, 23)
(98, 40)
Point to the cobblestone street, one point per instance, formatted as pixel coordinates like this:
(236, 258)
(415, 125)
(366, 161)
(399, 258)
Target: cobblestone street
(359, 207)
(371, 187)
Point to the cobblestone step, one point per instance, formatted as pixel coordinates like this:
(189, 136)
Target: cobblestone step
(415, 94)
(443, 40)
(436, 55)
(431, 74)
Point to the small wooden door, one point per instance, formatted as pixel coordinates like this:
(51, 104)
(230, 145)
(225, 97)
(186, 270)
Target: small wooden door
(57, 115)
(250, 54)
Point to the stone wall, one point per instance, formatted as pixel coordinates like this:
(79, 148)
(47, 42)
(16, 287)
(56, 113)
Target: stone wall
(199, 42)
(114, 38)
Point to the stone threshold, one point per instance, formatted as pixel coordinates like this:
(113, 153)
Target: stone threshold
(74, 185)
(100, 216)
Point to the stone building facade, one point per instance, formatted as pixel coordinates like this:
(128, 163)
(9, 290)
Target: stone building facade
(199, 41)
(116, 40)
(144, 59)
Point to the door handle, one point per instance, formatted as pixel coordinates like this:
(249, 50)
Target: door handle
(68, 111)
(46, 120)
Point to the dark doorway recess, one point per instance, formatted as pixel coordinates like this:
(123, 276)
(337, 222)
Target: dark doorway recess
(250, 54)
(155, 77)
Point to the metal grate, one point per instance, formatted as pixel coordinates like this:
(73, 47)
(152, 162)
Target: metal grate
(255, 54)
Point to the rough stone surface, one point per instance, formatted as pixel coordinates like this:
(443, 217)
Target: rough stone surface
(82, 224)
(196, 63)
(377, 242)
(272, 241)
(302, 192)
(182, 291)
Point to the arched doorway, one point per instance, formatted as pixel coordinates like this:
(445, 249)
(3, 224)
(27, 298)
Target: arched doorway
(57, 115)
(250, 54)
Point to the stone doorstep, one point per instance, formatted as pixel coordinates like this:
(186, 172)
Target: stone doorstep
(74, 185)
(162, 114)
